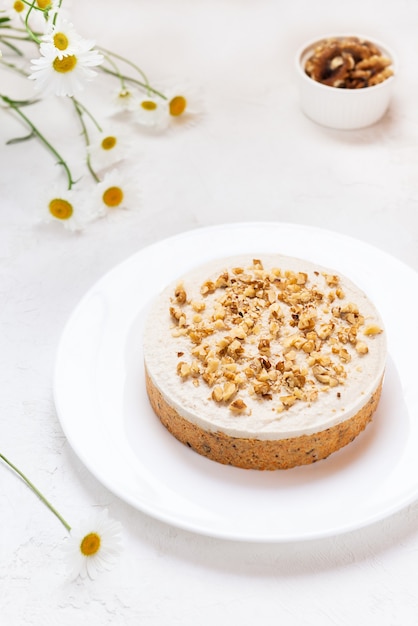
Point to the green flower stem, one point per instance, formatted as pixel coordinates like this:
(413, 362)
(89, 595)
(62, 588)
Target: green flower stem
(28, 28)
(109, 53)
(36, 491)
(132, 80)
(22, 32)
(13, 105)
(81, 110)
(54, 21)
(13, 67)
(16, 37)
(5, 42)
(116, 70)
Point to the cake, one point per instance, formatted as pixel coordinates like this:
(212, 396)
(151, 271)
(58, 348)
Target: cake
(264, 361)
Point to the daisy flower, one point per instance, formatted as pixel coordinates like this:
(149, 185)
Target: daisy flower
(64, 75)
(45, 5)
(15, 8)
(62, 206)
(94, 545)
(184, 104)
(125, 99)
(152, 111)
(115, 192)
(53, 9)
(64, 39)
(19, 9)
(108, 149)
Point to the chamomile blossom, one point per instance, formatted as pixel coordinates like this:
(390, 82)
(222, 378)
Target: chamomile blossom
(64, 38)
(93, 546)
(18, 9)
(184, 104)
(47, 5)
(115, 191)
(64, 75)
(108, 148)
(53, 10)
(125, 99)
(64, 206)
(15, 8)
(152, 111)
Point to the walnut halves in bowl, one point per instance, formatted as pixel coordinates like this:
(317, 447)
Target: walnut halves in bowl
(348, 63)
(345, 82)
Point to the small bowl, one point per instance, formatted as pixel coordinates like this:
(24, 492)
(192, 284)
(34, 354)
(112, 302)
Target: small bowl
(344, 109)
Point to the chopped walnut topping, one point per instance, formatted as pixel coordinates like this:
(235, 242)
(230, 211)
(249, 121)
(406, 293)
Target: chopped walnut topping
(288, 401)
(222, 280)
(217, 393)
(262, 389)
(361, 347)
(270, 334)
(372, 330)
(331, 279)
(183, 369)
(180, 294)
(264, 346)
(207, 287)
(237, 406)
(178, 315)
(198, 306)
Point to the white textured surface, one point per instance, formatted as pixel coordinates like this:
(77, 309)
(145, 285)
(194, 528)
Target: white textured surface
(254, 156)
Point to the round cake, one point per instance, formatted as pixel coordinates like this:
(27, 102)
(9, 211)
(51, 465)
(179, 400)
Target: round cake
(264, 361)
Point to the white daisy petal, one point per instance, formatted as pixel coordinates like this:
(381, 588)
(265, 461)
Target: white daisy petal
(65, 207)
(115, 191)
(185, 104)
(108, 148)
(63, 76)
(64, 38)
(152, 112)
(93, 546)
(17, 9)
(125, 99)
(14, 8)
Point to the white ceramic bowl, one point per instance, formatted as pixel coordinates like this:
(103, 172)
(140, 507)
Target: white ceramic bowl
(343, 108)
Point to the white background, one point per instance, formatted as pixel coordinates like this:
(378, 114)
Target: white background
(252, 156)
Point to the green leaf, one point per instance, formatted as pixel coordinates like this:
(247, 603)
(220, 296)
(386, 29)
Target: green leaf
(15, 49)
(19, 103)
(11, 142)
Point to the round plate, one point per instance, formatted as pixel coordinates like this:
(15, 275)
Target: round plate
(104, 410)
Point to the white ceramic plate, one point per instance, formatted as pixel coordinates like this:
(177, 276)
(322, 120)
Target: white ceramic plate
(104, 411)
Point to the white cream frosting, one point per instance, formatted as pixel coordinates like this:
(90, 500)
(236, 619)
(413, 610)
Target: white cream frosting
(262, 419)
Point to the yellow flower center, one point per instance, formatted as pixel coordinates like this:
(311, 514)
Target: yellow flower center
(64, 65)
(125, 93)
(90, 544)
(177, 105)
(113, 196)
(43, 4)
(60, 41)
(149, 105)
(61, 209)
(18, 6)
(108, 143)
